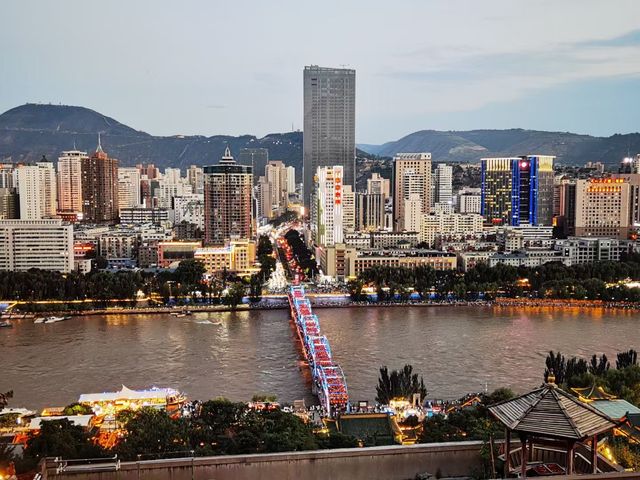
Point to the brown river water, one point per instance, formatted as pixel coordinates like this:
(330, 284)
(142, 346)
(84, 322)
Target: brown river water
(456, 349)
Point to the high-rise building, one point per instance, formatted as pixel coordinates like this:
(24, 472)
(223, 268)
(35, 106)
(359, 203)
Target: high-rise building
(411, 175)
(49, 189)
(412, 213)
(377, 184)
(9, 204)
(36, 187)
(329, 123)
(518, 190)
(43, 244)
(256, 158)
(291, 180)
(603, 208)
(128, 187)
(195, 177)
(276, 174)
(326, 211)
(7, 175)
(443, 181)
(369, 211)
(70, 181)
(264, 198)
(348, 209)
(227, 201)
(190, 209)
(99, 187)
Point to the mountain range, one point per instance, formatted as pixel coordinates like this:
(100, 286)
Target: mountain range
(30, 131)
(470, 146)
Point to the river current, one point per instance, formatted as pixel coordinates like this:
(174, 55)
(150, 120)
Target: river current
(236, 354)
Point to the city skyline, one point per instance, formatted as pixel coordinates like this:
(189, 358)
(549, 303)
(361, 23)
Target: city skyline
(463, 73)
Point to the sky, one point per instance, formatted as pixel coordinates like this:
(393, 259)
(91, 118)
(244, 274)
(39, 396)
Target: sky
(235, 67)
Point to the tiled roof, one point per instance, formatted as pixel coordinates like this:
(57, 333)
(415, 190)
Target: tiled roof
(550, 411)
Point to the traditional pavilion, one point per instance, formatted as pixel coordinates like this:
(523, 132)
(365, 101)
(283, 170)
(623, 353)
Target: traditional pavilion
(551, 420)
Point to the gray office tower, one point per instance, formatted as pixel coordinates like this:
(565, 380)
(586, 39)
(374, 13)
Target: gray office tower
(329, 123)
(256, 158)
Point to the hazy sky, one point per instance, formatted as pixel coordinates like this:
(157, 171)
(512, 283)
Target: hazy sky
(235, 67)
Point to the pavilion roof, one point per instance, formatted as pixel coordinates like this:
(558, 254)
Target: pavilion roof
(552, 412)
(593, 393)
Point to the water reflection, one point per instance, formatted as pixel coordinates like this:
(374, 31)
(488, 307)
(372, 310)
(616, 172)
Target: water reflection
(237, 354)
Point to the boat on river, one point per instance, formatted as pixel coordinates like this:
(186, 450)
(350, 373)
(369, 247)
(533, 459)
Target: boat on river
(50, 319)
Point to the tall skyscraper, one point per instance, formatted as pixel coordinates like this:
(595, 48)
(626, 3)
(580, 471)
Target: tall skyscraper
(444, 183)
(327, 208)
(329, 123)
(70, 181)
(276, 174)
(518, 190)
(36, 185)
(291, 179)
(99, 187)
(264, 198)
(227, 201)
(257, 158)
(195, 177)
(411, 175)
(128, 187)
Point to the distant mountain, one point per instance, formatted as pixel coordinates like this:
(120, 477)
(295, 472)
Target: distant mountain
(470, 146)
(29, 131)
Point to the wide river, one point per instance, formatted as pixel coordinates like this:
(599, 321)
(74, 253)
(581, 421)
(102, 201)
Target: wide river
(456, 349)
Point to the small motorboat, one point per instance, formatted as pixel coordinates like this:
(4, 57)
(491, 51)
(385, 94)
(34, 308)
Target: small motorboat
(52, 319)
(5, 324)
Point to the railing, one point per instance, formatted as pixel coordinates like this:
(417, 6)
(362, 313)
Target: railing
(60, 465)
(328, 377)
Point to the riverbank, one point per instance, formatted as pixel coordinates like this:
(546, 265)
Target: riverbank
(319, 301)
(271, 304)
(563, 303)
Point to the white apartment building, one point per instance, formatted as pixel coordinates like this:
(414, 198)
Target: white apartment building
(128, 187)
(190, 209)
(449, 224)
(327, 206)
(43, 244)
(291, 180)
(412, 212)
(36, 186)
(443, 181)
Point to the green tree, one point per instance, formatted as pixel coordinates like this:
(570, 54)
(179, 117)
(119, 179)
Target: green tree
(599, 366)
(77, 409)
(626, 359)
(190, 272)
(61, 438)
(234, 295)
(151, 432)
(399, 384)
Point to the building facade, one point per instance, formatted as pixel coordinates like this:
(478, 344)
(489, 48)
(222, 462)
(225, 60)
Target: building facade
(518, 190)
(227, 201)
(411, 175)
(70, 181)
(99, 187)
(603, 208)
(327, 208)
(43, 244)
(329, 123)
